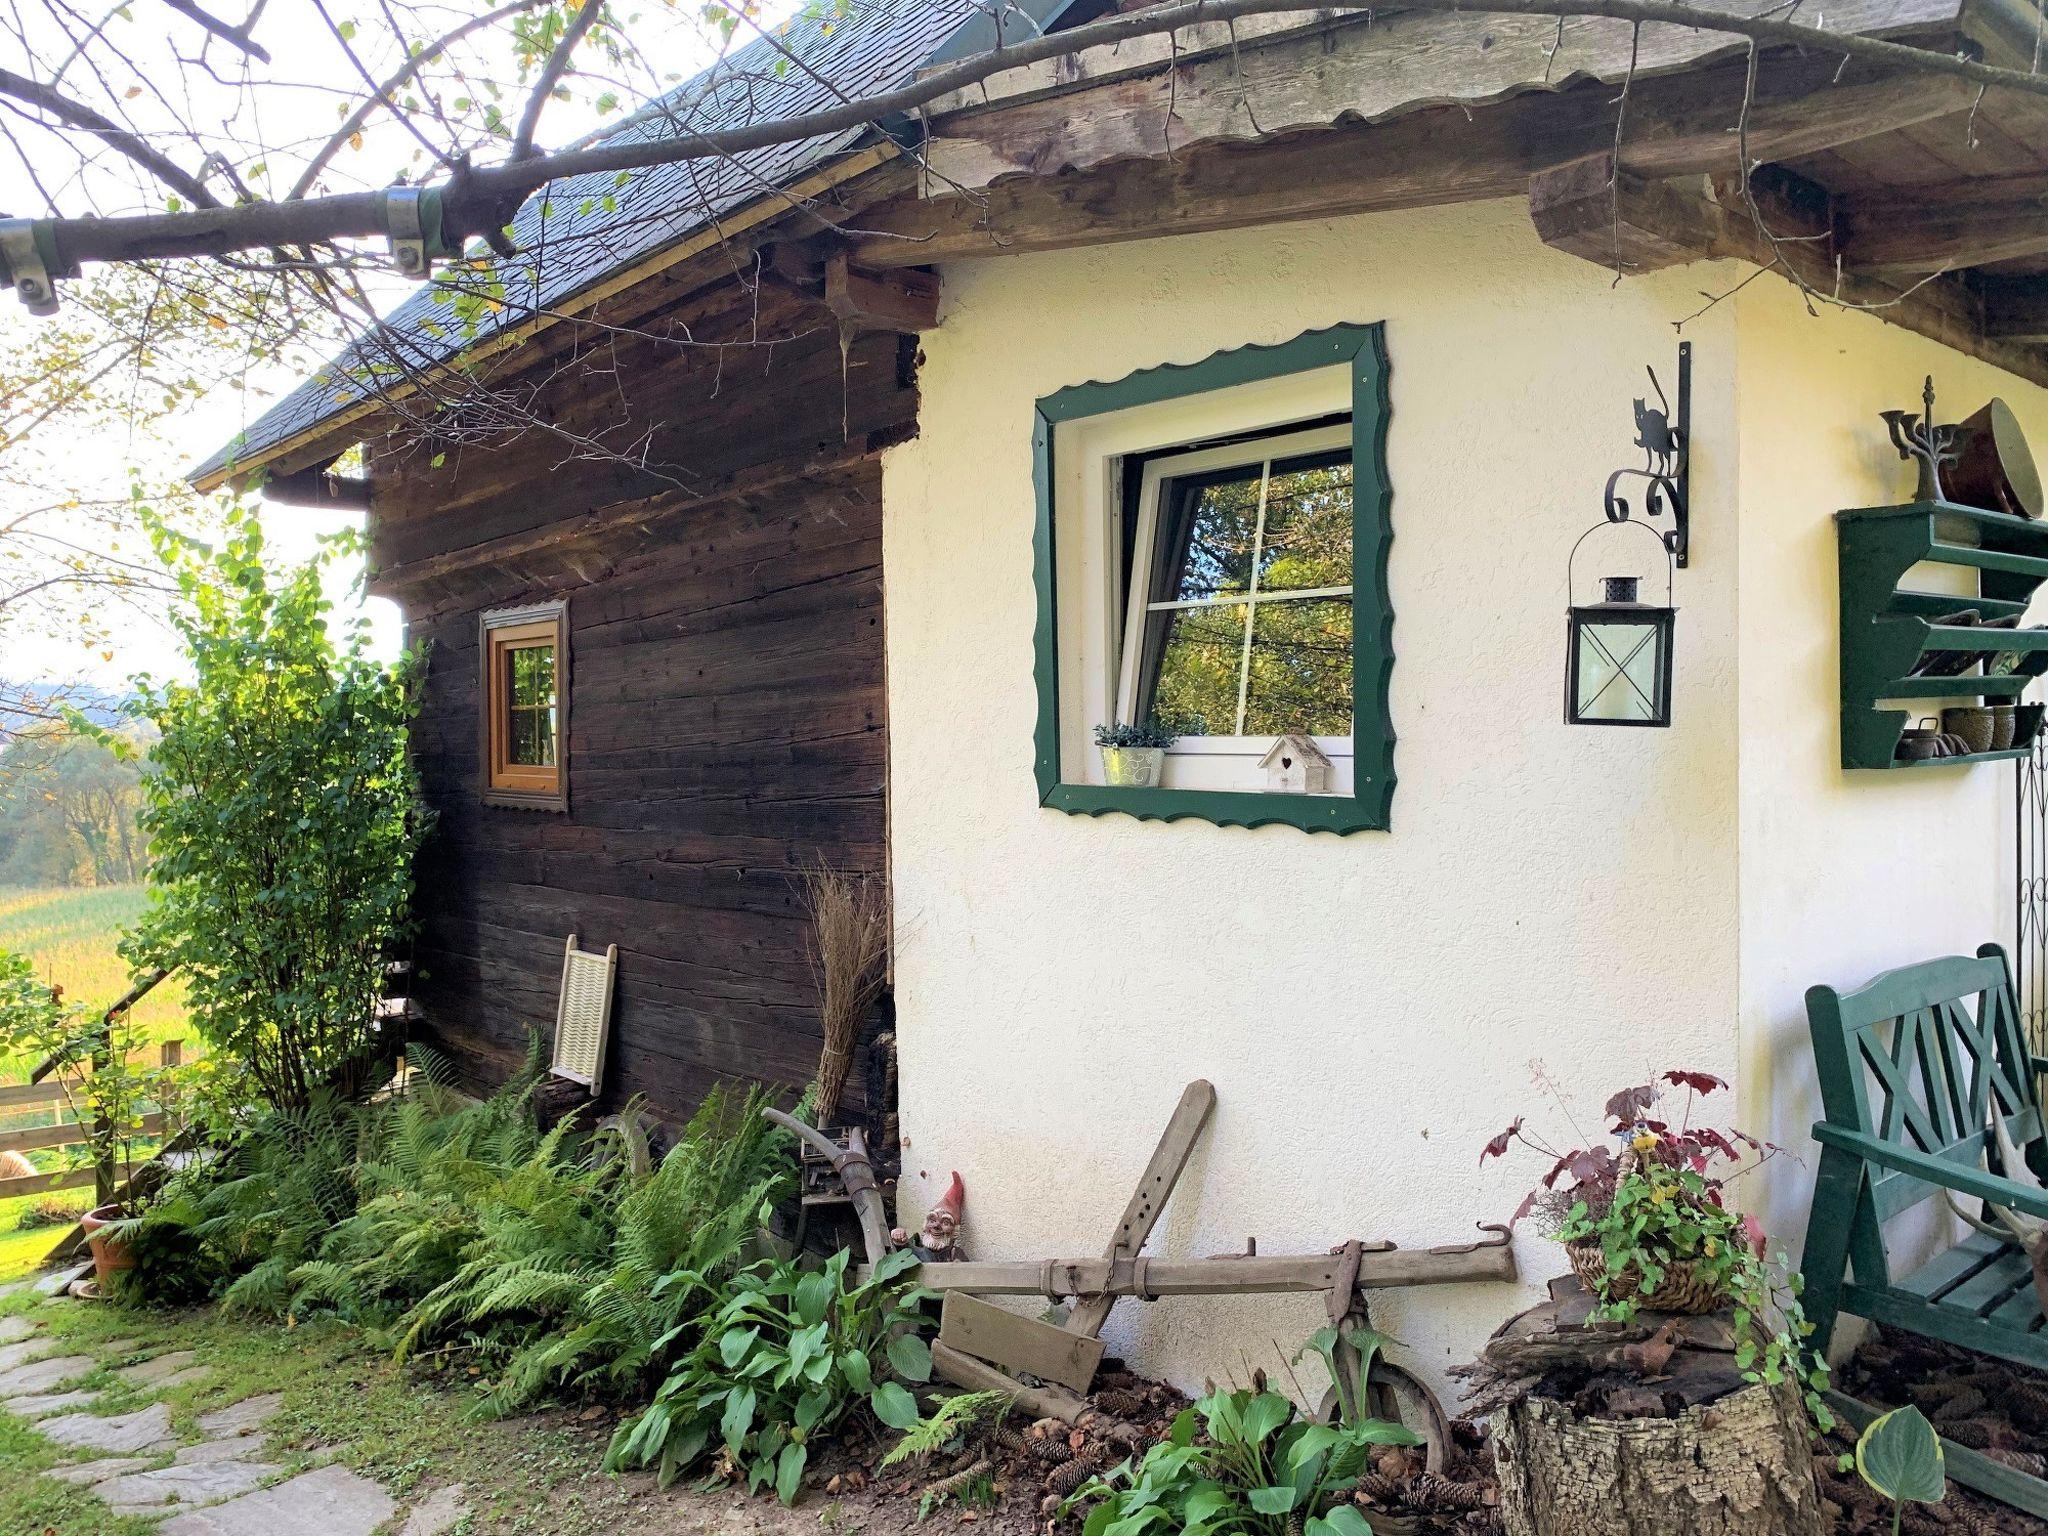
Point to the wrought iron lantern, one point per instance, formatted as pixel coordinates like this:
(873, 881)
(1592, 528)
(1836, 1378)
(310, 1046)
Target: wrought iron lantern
(1618, 655)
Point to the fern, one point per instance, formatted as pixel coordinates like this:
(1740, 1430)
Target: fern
(952, 1417)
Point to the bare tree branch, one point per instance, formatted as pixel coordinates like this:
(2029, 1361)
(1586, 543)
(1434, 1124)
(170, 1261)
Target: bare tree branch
(238, 36)
(77, 115)
(482, 199)
(544, 87)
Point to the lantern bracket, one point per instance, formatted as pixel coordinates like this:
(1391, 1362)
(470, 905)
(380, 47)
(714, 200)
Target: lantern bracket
(1665, 436)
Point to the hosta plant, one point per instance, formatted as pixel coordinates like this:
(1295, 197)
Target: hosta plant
(785, 1358)
(1899, 1455)
(1244, 1463)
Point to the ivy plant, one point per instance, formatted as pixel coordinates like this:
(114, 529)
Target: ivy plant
(786, 1356)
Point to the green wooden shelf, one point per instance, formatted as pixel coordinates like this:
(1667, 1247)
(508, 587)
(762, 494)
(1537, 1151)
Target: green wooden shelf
(1887, 628)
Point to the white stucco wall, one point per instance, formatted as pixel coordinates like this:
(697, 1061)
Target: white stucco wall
(1843, 874)
(1370, 1008)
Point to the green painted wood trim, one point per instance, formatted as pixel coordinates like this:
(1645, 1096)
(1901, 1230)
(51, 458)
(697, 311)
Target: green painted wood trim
(1884, 630)
(1363, 348)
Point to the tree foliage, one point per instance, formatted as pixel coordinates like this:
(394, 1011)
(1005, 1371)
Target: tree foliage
(283, 815)
(70, 807)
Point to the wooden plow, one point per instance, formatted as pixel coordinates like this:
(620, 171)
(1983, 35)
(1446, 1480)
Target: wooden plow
(984, 1347)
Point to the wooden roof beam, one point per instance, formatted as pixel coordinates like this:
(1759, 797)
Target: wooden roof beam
(1675, 125)
(2015, 308)
(1627, 223)
(1962, 223)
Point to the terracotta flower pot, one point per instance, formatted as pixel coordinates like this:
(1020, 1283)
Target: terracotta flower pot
(109, 1254)
(1683, 1289)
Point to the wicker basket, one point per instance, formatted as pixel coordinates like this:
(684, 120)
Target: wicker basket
(1684, 1289)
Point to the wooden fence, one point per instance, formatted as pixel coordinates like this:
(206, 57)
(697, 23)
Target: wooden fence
(53, 1083)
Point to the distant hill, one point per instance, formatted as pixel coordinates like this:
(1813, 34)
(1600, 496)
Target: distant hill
(102, 706)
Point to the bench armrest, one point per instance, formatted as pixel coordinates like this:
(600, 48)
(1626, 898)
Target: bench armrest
(2038, 1063)
(1964, 1180)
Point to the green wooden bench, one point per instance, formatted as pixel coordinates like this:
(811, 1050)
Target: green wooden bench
(1909, 1066)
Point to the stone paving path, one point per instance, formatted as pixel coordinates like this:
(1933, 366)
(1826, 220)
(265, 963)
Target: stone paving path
(220, 1485)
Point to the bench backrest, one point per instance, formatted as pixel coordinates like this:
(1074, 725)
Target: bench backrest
(1916, 1057)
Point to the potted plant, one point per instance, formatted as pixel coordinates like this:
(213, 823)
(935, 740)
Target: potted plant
(1133, 756)
(37, 1025)
(1644, 1220)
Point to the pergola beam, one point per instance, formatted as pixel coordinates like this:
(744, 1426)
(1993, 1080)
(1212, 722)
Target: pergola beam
(2015, 308)
(1963, 223)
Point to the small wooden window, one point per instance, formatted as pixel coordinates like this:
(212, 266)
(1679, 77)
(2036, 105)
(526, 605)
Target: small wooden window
(524, 697)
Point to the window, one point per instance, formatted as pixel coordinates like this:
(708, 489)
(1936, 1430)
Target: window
(1210, 553)
(1239, 592)
(523, 694)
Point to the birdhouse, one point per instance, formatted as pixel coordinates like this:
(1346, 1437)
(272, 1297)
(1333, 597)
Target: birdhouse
(1295, 765)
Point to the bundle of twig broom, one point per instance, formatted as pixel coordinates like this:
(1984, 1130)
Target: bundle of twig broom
(849, 958)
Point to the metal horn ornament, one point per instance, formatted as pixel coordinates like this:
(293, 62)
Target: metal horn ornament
(1917, 437)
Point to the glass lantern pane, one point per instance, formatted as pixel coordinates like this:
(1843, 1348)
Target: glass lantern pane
(1619, 671)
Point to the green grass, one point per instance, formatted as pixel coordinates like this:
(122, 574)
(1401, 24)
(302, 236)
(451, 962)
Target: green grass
(398, 1425)
(70, 934)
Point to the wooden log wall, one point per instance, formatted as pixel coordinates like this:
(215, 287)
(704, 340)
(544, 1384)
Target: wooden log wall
(727, 709)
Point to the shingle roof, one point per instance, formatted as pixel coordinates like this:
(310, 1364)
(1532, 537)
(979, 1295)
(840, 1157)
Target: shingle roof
(569, 239)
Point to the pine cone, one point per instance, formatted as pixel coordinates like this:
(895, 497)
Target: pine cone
(1381, 1490)
(1123, 1403)
(1063, 1480)
(2028, 1402)
(1010, 1440)
(2020, 1461)
(1432, 1494)
(1052, 1453)
(1963, 1404)
(1977, 1434)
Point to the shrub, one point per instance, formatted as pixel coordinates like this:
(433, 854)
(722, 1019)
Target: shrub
(282, 818)
(782, 1360)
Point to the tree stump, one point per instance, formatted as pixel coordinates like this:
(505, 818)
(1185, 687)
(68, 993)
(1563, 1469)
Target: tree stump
(1644, 1429)
(1740, 1466)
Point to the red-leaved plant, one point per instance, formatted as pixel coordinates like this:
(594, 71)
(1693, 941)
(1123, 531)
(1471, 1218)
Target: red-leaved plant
(1588, 1175)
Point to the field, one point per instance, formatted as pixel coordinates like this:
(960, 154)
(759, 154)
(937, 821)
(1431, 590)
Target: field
(70, 934)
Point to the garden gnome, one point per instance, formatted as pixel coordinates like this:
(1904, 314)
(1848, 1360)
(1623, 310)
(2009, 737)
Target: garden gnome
(938, 1242)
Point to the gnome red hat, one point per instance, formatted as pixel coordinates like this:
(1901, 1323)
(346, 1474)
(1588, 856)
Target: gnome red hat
(942, 1221)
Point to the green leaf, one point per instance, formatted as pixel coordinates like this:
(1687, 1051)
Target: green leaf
(853, 1365)
(789, 1472)
(734, 1346)
(1272, 1501)
(911, 1357)
(893, 1405)
(1264, 1415)
(1900, 1456)
(738, 1418)
(813, 1298)
(902, 1260)
(1342, 1520)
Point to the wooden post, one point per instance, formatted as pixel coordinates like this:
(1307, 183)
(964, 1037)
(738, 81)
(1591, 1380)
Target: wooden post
(102, 1127)
(170, 1054)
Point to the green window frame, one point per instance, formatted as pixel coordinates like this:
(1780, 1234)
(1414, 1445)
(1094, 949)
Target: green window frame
(1363, 349)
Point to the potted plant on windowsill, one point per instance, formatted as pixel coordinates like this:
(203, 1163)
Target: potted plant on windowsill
(1133, 756)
